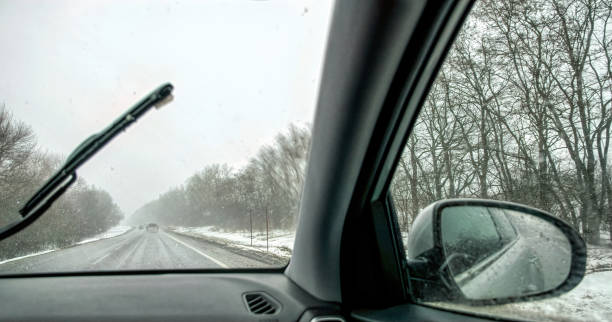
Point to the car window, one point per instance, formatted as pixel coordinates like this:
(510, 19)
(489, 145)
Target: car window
(520, 111)
(504, 227)
(211, 180)
(458, 225)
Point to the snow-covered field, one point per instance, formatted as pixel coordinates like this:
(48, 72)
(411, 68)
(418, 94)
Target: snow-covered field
(599, 258)
(26, 256)
(280, 242)
(591, 300)
(113, 232)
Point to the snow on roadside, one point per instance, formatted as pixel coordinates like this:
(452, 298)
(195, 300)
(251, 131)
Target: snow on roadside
(26, 256)
(280, 242)
(113, 232)
(589, 301)
(599, 258)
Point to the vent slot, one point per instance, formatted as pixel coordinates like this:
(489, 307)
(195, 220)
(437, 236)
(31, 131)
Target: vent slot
(261, 303)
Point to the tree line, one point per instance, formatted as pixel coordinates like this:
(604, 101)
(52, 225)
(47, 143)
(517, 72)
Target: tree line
(520, 111)
(264, 192)
(83, 211)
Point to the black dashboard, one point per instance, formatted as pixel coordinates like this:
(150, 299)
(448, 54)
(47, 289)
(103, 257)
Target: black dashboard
(158, 297)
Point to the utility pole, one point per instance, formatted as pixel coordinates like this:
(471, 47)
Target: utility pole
(267, 231)
(251, 222)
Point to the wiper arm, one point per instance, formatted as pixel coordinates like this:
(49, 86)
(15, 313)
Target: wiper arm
(66, 175)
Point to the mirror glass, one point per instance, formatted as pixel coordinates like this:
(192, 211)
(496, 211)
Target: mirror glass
(496, 253)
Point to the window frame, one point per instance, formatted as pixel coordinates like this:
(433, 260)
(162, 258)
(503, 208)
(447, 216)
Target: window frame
(377, 277)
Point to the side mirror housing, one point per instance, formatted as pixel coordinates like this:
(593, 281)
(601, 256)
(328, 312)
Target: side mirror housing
(484, 252)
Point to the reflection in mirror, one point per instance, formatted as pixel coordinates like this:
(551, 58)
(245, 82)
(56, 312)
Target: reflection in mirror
(494, 252)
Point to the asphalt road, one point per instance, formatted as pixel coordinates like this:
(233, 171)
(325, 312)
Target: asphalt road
(135, 250)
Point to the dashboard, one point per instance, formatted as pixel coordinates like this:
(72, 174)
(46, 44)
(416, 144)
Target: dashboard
(160, 297)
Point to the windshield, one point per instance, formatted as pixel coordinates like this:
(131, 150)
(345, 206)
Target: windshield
(212, 180)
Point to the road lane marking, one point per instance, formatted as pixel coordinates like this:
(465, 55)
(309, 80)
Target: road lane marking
(101, 258)
(110, 252)
(198, 251)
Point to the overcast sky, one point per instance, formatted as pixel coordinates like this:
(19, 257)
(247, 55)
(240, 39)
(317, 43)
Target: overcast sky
(242, 70)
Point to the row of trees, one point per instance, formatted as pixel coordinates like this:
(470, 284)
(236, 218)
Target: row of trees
(521, 112)
(264, 192)
(82, 212)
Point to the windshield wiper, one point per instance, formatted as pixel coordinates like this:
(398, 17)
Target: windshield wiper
(66, 175)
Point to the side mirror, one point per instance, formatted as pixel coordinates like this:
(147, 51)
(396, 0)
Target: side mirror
(491, 252)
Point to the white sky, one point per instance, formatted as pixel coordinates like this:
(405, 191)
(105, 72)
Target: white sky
(242, 70)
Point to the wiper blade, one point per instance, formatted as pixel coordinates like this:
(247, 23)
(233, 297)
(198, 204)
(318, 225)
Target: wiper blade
(66, 175)
(94, 143)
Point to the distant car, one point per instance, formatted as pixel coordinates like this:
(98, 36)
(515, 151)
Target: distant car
(152, 228)
(141, 227)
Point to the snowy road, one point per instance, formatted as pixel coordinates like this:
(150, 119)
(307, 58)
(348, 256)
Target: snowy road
(135, 250)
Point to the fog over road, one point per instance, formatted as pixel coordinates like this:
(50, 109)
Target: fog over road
(135, 250)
